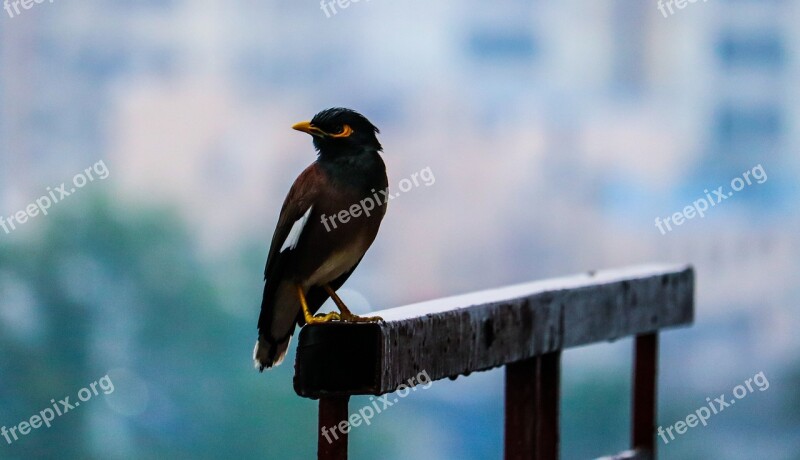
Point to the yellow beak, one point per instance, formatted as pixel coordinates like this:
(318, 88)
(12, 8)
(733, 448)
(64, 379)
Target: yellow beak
(307, 127)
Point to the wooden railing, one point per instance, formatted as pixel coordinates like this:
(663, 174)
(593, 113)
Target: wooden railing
(523, 327)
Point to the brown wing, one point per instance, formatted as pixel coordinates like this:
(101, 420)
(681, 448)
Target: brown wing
(301, 196)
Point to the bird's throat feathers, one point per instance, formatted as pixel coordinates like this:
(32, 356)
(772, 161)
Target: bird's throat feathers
(364, 171)
(328, 149)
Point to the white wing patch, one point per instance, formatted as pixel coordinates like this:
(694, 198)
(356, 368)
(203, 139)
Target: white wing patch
(294, 233)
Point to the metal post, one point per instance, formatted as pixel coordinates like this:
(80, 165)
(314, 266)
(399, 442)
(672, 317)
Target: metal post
(520, 407)
(547, 402)
(332, 445)
(645, 378)
(532, 408)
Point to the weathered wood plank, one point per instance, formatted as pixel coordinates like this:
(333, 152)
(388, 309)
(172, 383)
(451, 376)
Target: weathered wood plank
(479, 331)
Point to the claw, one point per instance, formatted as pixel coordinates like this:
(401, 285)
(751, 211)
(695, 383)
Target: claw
(351, 318)
(347, 315)
(320, 318)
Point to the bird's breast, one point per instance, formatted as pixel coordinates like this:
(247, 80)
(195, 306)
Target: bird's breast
(339, 262)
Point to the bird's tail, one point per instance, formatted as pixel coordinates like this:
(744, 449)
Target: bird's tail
(276, 324)
(269, 353)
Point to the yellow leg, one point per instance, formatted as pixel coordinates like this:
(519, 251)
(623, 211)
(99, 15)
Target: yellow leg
(310, 319)
(347, 315)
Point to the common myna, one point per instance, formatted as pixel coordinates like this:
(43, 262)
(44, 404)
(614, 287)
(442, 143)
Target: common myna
(328, 221)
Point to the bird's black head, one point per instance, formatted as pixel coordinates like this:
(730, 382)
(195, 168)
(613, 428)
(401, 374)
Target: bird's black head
(339, 131)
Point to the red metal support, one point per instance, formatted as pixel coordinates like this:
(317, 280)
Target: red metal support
(645, 378)
(520, 407)
(332, 442)
(548, 403)
(532, 408)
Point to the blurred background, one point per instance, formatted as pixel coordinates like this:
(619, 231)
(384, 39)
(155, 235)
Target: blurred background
(557, 132)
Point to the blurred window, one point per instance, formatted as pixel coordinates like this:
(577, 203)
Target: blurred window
(749, 49)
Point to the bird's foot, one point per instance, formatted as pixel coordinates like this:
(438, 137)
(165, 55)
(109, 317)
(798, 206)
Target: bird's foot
(351, 318)
(321, 318)
(348, 316)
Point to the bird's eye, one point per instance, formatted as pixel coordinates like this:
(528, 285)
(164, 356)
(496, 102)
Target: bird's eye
(345, 131)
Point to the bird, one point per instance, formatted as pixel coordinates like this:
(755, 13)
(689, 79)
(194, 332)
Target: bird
(329, 219)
